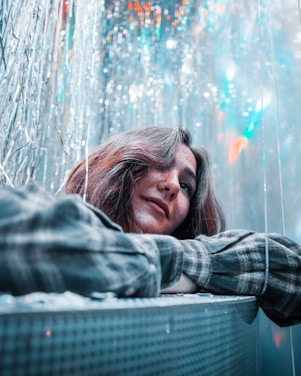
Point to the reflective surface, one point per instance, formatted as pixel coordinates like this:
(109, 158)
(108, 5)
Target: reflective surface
(73, 72)
(279, 349)
(169, 335)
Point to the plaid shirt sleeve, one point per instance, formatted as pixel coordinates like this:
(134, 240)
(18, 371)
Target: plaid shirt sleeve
(239, 262)
(54, 245)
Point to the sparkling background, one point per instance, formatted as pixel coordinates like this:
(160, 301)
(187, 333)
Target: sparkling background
(73, 72)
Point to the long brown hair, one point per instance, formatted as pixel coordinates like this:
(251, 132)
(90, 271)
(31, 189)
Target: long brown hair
(115, 166)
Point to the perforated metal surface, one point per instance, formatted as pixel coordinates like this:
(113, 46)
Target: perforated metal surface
(178, 335)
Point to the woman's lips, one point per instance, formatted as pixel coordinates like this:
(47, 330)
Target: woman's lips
(159, 203)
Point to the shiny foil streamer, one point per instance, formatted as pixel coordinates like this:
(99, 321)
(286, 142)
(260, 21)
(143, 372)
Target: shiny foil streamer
(72, 72)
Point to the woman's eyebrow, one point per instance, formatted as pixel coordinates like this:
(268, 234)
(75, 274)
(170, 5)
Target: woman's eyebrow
(190, 173)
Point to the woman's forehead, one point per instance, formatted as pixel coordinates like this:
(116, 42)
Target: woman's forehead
(185, 156)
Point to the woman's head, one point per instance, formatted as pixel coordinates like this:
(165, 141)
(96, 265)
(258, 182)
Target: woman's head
(162, 160)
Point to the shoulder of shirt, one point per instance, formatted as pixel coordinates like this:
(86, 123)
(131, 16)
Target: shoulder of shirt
(104, 218)
(37, 194)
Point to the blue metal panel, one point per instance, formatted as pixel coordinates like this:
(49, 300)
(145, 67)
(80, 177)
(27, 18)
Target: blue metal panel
(169, 335)
(279, 348)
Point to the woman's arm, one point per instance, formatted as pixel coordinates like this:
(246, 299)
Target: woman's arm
(56, 245)
(184, 286)
(240, 262)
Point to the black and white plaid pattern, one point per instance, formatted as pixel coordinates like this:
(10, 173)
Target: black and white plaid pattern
(53, 245)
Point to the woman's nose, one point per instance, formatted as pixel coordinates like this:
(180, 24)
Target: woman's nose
(169, 185)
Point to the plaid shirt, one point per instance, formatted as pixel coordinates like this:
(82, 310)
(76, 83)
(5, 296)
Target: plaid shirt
(54, 245)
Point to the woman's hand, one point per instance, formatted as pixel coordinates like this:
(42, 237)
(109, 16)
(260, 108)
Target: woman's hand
(184, 286)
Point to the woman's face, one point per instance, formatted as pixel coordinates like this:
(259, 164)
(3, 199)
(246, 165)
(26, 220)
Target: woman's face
(161, 198)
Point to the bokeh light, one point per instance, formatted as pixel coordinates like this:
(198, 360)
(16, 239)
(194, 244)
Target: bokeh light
(73, 72)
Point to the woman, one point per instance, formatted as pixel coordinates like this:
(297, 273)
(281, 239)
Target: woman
(155, 186)
(119, 167)
(151, 180)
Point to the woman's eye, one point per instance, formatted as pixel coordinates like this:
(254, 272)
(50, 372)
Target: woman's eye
(186, 187)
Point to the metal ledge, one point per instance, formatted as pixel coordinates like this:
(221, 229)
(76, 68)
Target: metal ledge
(170, 335)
